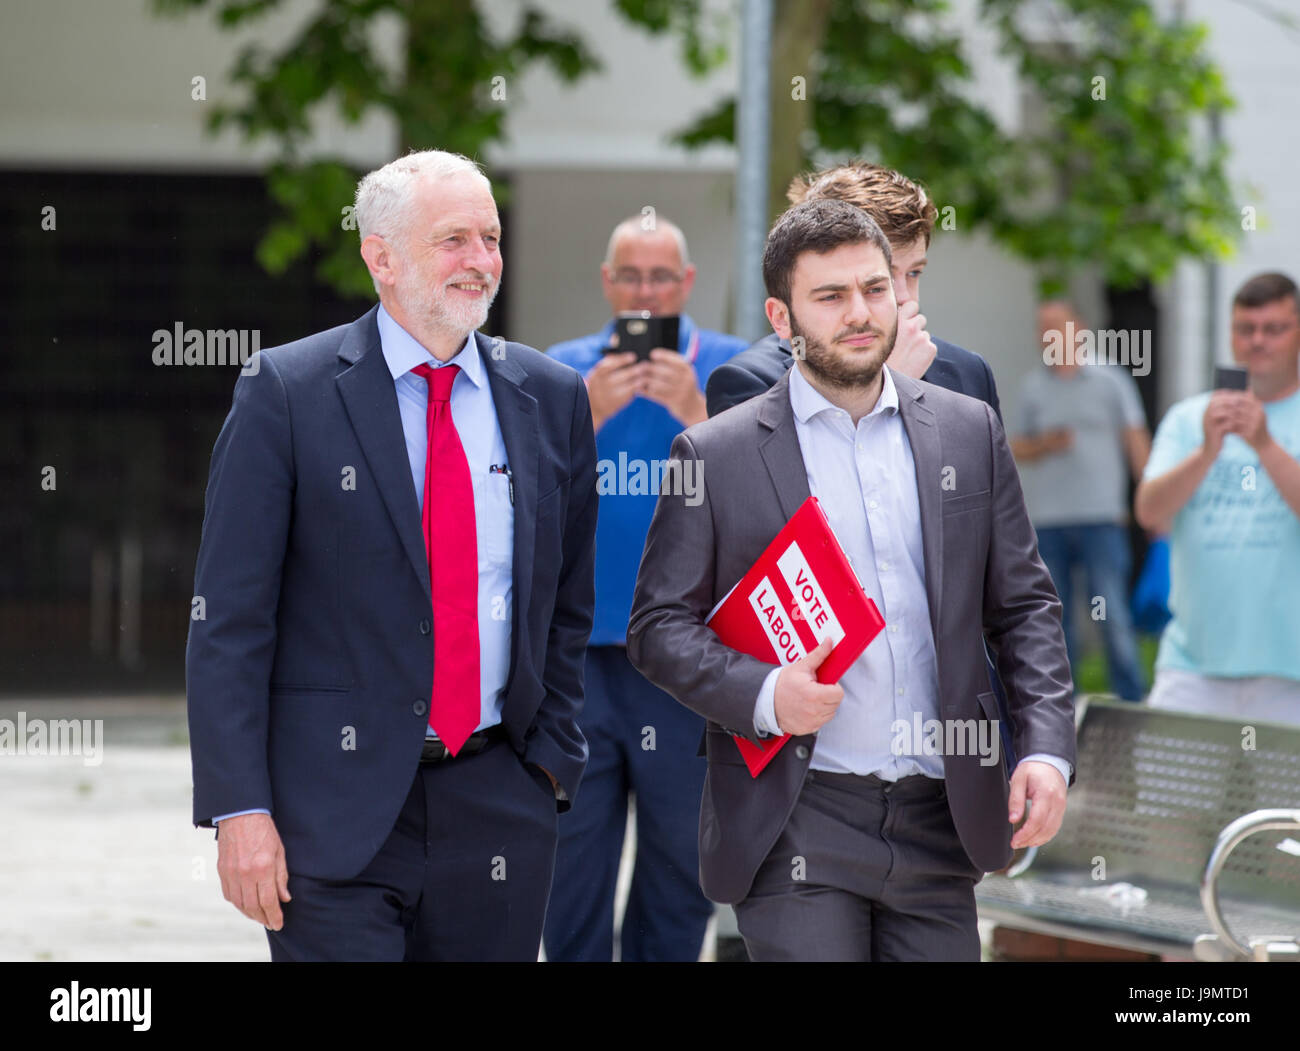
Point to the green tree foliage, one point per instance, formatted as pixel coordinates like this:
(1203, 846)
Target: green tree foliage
(441, 96)
(1113, 168)
(1122, 170)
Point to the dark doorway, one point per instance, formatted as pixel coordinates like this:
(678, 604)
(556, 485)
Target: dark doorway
(105, 454)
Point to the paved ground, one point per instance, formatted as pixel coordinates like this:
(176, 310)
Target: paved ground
(101, 862)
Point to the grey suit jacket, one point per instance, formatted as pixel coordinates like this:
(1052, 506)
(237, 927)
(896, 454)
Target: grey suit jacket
(983, 575)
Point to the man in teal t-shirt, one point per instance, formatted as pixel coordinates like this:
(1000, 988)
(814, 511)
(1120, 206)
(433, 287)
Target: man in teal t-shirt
(1225, 478)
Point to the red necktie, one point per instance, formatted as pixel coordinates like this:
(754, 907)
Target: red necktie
(452, 546)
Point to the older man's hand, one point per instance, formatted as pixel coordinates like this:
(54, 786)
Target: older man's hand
(250, 862)
(612, 383)
(671, 380)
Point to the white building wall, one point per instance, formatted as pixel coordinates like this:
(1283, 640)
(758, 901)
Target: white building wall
(106, 84)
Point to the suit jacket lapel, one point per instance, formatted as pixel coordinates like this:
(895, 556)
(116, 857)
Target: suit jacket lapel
(927, 455)
(780, 447)
(521, 431)
(371, 403)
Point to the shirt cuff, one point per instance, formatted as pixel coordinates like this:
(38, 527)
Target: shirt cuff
(765, 724)
(1056, 762)
(241, 813)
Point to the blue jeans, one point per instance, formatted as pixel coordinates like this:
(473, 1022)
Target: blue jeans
(1102, 550)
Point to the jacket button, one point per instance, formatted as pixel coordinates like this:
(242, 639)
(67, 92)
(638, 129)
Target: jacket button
(801, 752)
(424, 627)
(420, 707)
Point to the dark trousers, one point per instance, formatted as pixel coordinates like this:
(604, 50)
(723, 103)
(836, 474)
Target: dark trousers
(463, 875)
(1101, 550)
(644, 742)
(864, 871)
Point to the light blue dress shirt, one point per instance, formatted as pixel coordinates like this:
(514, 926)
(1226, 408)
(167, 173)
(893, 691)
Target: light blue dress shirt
(474, 413)
(864, 477)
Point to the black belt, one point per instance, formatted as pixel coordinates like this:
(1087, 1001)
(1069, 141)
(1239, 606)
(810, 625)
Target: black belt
(435, 751)
(911, 787)
(913, 784)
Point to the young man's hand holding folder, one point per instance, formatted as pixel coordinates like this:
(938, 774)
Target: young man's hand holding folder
(800, 605)
(803, 704)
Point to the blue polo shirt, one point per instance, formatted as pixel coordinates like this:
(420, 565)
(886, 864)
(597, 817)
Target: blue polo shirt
(627, 448)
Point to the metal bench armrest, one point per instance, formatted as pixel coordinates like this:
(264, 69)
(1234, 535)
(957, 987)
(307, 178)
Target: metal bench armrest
(1015, 870)
(1232, 834)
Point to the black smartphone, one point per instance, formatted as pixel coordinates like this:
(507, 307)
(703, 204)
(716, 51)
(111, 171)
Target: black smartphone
(1230, 377)
(640, 331)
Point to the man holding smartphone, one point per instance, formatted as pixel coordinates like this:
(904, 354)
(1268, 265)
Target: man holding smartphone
(641, 741)
(1224, 478)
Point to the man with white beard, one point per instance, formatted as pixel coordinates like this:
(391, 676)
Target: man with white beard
(383, 694)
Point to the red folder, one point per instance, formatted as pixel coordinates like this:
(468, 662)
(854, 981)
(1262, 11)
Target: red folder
(800, 590)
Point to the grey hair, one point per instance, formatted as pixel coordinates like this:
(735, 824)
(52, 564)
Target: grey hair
(636, 224)
(384, 197)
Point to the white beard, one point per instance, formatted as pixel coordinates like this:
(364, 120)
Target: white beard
(443, 310)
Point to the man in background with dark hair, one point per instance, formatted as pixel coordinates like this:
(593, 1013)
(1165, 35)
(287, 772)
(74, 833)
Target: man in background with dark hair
(1224, 480)
(904, 212)
(855, 843)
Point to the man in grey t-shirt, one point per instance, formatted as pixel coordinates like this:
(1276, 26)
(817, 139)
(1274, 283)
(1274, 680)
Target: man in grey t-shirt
(1080, 429)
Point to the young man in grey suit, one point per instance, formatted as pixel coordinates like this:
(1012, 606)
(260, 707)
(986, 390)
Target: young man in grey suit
(857, 843)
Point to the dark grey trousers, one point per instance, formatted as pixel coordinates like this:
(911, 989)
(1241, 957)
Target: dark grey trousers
(865, 870)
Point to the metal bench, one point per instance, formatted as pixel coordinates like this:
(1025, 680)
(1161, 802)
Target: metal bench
(1181, 808)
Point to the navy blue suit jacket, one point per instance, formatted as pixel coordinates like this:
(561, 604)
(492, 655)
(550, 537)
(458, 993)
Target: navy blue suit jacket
(757, 369)
(316, 601)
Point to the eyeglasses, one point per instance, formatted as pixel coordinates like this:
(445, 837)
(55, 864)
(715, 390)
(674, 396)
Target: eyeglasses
(657, 278)
(1272, 330)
